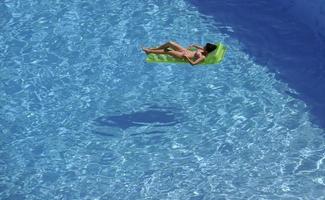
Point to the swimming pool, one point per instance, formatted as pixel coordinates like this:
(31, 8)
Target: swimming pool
(84, 117)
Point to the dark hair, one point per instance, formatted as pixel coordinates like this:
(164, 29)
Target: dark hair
(210, 47)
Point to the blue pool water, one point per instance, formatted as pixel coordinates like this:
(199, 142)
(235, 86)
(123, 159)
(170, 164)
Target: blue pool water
(84, 117)
(286, 36)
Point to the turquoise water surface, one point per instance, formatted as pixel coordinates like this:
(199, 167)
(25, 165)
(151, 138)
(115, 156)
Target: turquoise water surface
(84, 117)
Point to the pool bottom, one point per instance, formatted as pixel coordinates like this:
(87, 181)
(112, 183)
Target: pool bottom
(166, 131)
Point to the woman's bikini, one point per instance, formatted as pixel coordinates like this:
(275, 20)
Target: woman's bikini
(190, 54)
(197, 54)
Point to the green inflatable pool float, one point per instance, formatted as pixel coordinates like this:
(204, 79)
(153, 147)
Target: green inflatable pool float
(214, 57)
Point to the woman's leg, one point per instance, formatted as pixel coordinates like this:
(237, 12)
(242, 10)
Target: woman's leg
(170, 44)
(155, 51)
(173, 53)
(176, 54)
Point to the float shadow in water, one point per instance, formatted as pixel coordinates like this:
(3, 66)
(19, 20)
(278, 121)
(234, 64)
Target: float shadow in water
(154, 116)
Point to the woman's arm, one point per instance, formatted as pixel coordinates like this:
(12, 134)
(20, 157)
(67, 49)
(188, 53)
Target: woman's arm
(196, 61)
(195, 46)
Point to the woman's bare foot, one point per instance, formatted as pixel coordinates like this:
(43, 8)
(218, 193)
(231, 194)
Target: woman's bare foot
(146, 50)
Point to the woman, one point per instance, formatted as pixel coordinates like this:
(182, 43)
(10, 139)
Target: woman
(177, 51)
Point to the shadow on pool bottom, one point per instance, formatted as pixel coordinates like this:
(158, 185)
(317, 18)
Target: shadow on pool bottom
(154, 116)
(275, 39)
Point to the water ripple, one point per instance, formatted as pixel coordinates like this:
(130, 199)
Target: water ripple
(84, 117)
